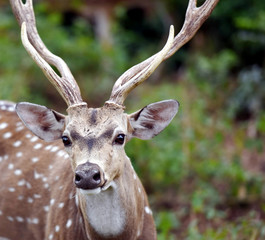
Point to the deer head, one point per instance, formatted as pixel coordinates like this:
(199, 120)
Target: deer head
(94, 138)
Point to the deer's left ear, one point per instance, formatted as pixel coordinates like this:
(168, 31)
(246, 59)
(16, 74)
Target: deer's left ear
(43, 122)
(152, 119)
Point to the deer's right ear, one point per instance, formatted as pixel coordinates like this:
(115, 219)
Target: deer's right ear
(43, 122)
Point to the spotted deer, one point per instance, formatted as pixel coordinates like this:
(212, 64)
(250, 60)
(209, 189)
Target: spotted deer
(78, 183)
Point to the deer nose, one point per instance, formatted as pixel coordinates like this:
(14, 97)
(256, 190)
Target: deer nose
(88, 176)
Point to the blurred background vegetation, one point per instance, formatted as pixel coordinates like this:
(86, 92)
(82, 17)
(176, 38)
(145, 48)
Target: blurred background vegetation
(205, 173)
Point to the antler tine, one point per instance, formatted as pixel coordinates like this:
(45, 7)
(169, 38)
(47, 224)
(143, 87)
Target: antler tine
(123, 88)
(195, 17)
(65, 84)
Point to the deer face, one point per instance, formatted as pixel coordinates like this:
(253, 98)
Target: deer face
(94, 140)
(95, 137)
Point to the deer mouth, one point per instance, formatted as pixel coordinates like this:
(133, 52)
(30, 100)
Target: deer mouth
(106, 186)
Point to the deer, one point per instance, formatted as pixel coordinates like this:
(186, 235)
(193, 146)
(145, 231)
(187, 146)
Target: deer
(68, 176)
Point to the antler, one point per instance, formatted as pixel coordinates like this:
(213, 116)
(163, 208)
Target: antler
(65, 84)
(195, 17)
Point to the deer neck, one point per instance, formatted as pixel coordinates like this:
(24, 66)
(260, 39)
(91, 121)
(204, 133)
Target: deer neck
(110, 213)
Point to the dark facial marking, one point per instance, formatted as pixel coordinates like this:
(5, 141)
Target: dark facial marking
(75, 135)
(107, 134)
(93, 118)
(90, 143)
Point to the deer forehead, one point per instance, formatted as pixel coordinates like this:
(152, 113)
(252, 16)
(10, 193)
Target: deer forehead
(95, 124)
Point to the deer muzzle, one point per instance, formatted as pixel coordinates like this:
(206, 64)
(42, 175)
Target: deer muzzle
(89, 176)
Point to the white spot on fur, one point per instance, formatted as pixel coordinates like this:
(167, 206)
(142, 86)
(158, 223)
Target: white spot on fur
(46, 208)
(20, 219)
(61, 153)
(28, 135)
(11, 219)
(28, 185)
(76, 200)
(48, 147)
(10, 166)
(54, 149)
(34, 139)
(20, 128)
(18, 172)
(30, 200)
(38, 146)
(68, 223)
(138, 233)
(57, 228)
(11, 108)
(35, 159)
(7, 135)
(17, 143)
(35, 220)
(11, 189)
(19, 154)
(37, 175)
(20, 198)
(61, 205)
(3, 125)
(52, 202)
(4, 238)
(148, 210)
(19, 124)
(21, 182)
(50, 236)
(71, 195)
(36, 196)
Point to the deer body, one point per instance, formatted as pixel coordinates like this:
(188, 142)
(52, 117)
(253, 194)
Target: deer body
(38, 199)
(85, 188)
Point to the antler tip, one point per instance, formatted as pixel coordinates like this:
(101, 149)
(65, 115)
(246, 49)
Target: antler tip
(171, 31)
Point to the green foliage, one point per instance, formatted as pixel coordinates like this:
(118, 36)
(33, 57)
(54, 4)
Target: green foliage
(252, 23)
(249, 81)
(165, 221)
(212, 72)
(206, 160)
(191, 158)
(245, 228)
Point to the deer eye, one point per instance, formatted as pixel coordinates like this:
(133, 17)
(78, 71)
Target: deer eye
(66, 141)
(119, 139)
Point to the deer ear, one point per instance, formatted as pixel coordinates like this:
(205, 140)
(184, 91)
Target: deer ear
(152, 119)
(43, 122)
